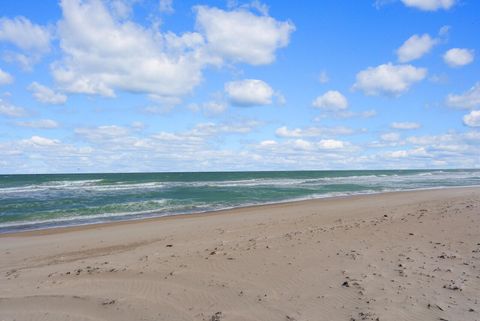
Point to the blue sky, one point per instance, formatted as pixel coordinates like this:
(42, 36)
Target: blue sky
(149, 85)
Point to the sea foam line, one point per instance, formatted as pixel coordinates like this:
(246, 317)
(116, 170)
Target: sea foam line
(129, 216)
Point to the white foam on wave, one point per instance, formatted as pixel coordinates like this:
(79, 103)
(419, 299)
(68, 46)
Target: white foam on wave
(95, 185)
(200, 208)
(84, 185)
(49, 185)
(128, 186)
(90, 217)
(68, 183)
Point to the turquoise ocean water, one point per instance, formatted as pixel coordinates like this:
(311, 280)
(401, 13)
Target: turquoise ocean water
(43, 201)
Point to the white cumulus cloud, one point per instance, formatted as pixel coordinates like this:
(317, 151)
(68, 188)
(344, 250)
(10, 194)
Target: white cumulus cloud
(458, 57)
(284, 131)
(5, 78)
(405, 125)
(331, 144)
(40, 141)
(468, 100)
(210, 107)
(268, 143)
(10, 110)
(249, 92)
(242, 36)
(331, 100)
(215, 107)
(33, 40)
(24, 34)
(41, 123)
(430, 5)
(472, 119)
(46, 95)
(388, 79)
(343, 114)
(103, 53)
(390, 137)
(415, 152)
(415, 47)
(102, 133)
(302, 144)
(121, 8)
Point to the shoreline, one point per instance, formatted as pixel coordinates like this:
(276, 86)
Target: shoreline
(94, 225)
(391, 256)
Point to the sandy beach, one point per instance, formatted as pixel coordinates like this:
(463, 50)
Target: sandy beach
(393, 256)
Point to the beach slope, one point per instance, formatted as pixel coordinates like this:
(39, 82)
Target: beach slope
(393, 256)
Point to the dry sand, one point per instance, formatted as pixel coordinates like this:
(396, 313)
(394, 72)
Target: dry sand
(395, 256)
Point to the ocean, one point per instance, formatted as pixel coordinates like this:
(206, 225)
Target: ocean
(29, 202)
